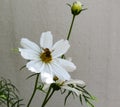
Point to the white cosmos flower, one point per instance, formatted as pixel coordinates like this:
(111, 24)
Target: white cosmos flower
(46, 58)
(66, 85)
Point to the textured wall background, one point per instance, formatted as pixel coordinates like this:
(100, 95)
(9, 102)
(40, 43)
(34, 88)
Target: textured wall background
(95, 46)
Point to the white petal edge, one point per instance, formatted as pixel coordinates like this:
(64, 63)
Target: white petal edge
(29, 54)
(68, 65)
(46, 78)
(26, 43)
(35, 66)
(61, 73)
(80, 82)
(46, 40)
(47, 74)
(72, 89)
(60, 48)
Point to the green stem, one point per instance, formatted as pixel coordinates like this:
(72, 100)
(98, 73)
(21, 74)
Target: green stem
(44, 102)
(68, 37)
(49, 97)
(34, 91)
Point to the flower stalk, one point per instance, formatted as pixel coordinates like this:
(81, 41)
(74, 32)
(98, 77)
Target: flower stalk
(48, 96)
(44, 102)
(68, 37)
(34, 91)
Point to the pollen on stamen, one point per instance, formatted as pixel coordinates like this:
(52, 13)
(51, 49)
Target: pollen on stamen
(46, 55)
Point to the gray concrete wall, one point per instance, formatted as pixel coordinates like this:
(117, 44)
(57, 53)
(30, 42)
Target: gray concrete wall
(95, 45)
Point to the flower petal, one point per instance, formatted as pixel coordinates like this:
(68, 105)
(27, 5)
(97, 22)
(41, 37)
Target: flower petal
(46, 78)
(46, 40)
(79, 82)
(35, 66)
(26, 43)
(59, 71)
(47, 75)
(72, 89)
(68, 65)
(60, 48)
(29, 54)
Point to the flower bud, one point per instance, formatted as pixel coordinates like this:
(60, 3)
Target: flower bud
(76, 8)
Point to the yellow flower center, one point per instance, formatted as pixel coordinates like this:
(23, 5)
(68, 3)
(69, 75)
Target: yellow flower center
(46, 56)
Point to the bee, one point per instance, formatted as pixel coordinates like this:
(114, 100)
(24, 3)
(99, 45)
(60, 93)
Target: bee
(47, 52)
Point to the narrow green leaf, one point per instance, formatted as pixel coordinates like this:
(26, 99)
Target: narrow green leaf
(67, 97)
(17, 103)
(62, 92)
(22, 67)
(80, 97)
(31, 75)
(8, 93)
(16, 50)
(88, 102)
(68, 5)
